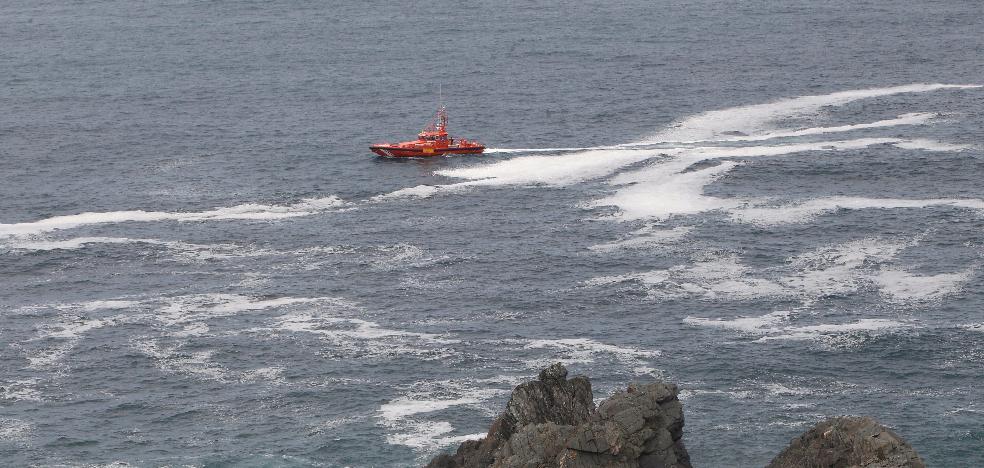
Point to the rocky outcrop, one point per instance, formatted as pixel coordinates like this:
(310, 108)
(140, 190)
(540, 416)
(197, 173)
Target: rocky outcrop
(848, 442)
(552, 422)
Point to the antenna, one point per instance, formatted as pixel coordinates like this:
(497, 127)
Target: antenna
(440, 94)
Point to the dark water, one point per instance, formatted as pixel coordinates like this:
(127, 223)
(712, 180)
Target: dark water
(234, 286)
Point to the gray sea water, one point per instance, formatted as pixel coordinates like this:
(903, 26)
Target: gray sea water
(777, 205)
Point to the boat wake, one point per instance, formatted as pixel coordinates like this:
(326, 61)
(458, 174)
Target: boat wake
(248, 211)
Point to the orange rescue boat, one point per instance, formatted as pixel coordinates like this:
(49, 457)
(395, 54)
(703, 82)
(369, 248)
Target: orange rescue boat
(433, 140)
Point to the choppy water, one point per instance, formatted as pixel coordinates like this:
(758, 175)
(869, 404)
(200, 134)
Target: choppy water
(778, 205)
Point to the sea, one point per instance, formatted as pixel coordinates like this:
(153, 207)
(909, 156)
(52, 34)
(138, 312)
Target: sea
(776, 205)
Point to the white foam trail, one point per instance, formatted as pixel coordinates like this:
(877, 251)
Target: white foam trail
(810, 210)
(661, 191)
(546, 150)
(533, 170)
(756, 119)
(666, 192)
(915, 118)
(68, 244)
(932, 145)
(551, 170)
(918, 118)
(252, 211)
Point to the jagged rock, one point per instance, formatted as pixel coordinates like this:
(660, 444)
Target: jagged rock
(848, 442)
(552, 422)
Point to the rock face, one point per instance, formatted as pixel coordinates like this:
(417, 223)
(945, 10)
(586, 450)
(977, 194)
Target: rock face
(553, 422)
(848, 442)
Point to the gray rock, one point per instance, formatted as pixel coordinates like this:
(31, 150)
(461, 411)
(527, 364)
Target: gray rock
(848, 442)
(551, 399)
(552, 422)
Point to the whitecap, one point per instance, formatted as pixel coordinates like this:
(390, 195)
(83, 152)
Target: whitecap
(816, 332)
(758, 325)
(14, 430)
(428, 436)
(900, 285)
(647, 237)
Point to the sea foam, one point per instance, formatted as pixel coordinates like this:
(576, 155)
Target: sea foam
(759, 118)
(249, 211)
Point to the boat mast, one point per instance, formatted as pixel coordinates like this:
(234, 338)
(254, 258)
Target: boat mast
(442, 113)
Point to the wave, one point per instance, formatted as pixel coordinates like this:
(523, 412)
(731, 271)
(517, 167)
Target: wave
(899, 285)
(758, 119)
(350, 328)
(819, 332)
(709, 278)
(648, 236)
(428, 436)
(22, 390)
(840, 268)
(810, 210)
(427, 401)
(584, 350)
(932, 145)
(248, 211)
(419, 191)
(401, 416)
(832, 270)
(172, 360)
(743, 324)
(772, 327)
(14, 430)
(183, 250)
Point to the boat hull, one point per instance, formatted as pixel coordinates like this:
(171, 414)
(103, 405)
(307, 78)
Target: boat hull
(404, 152)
